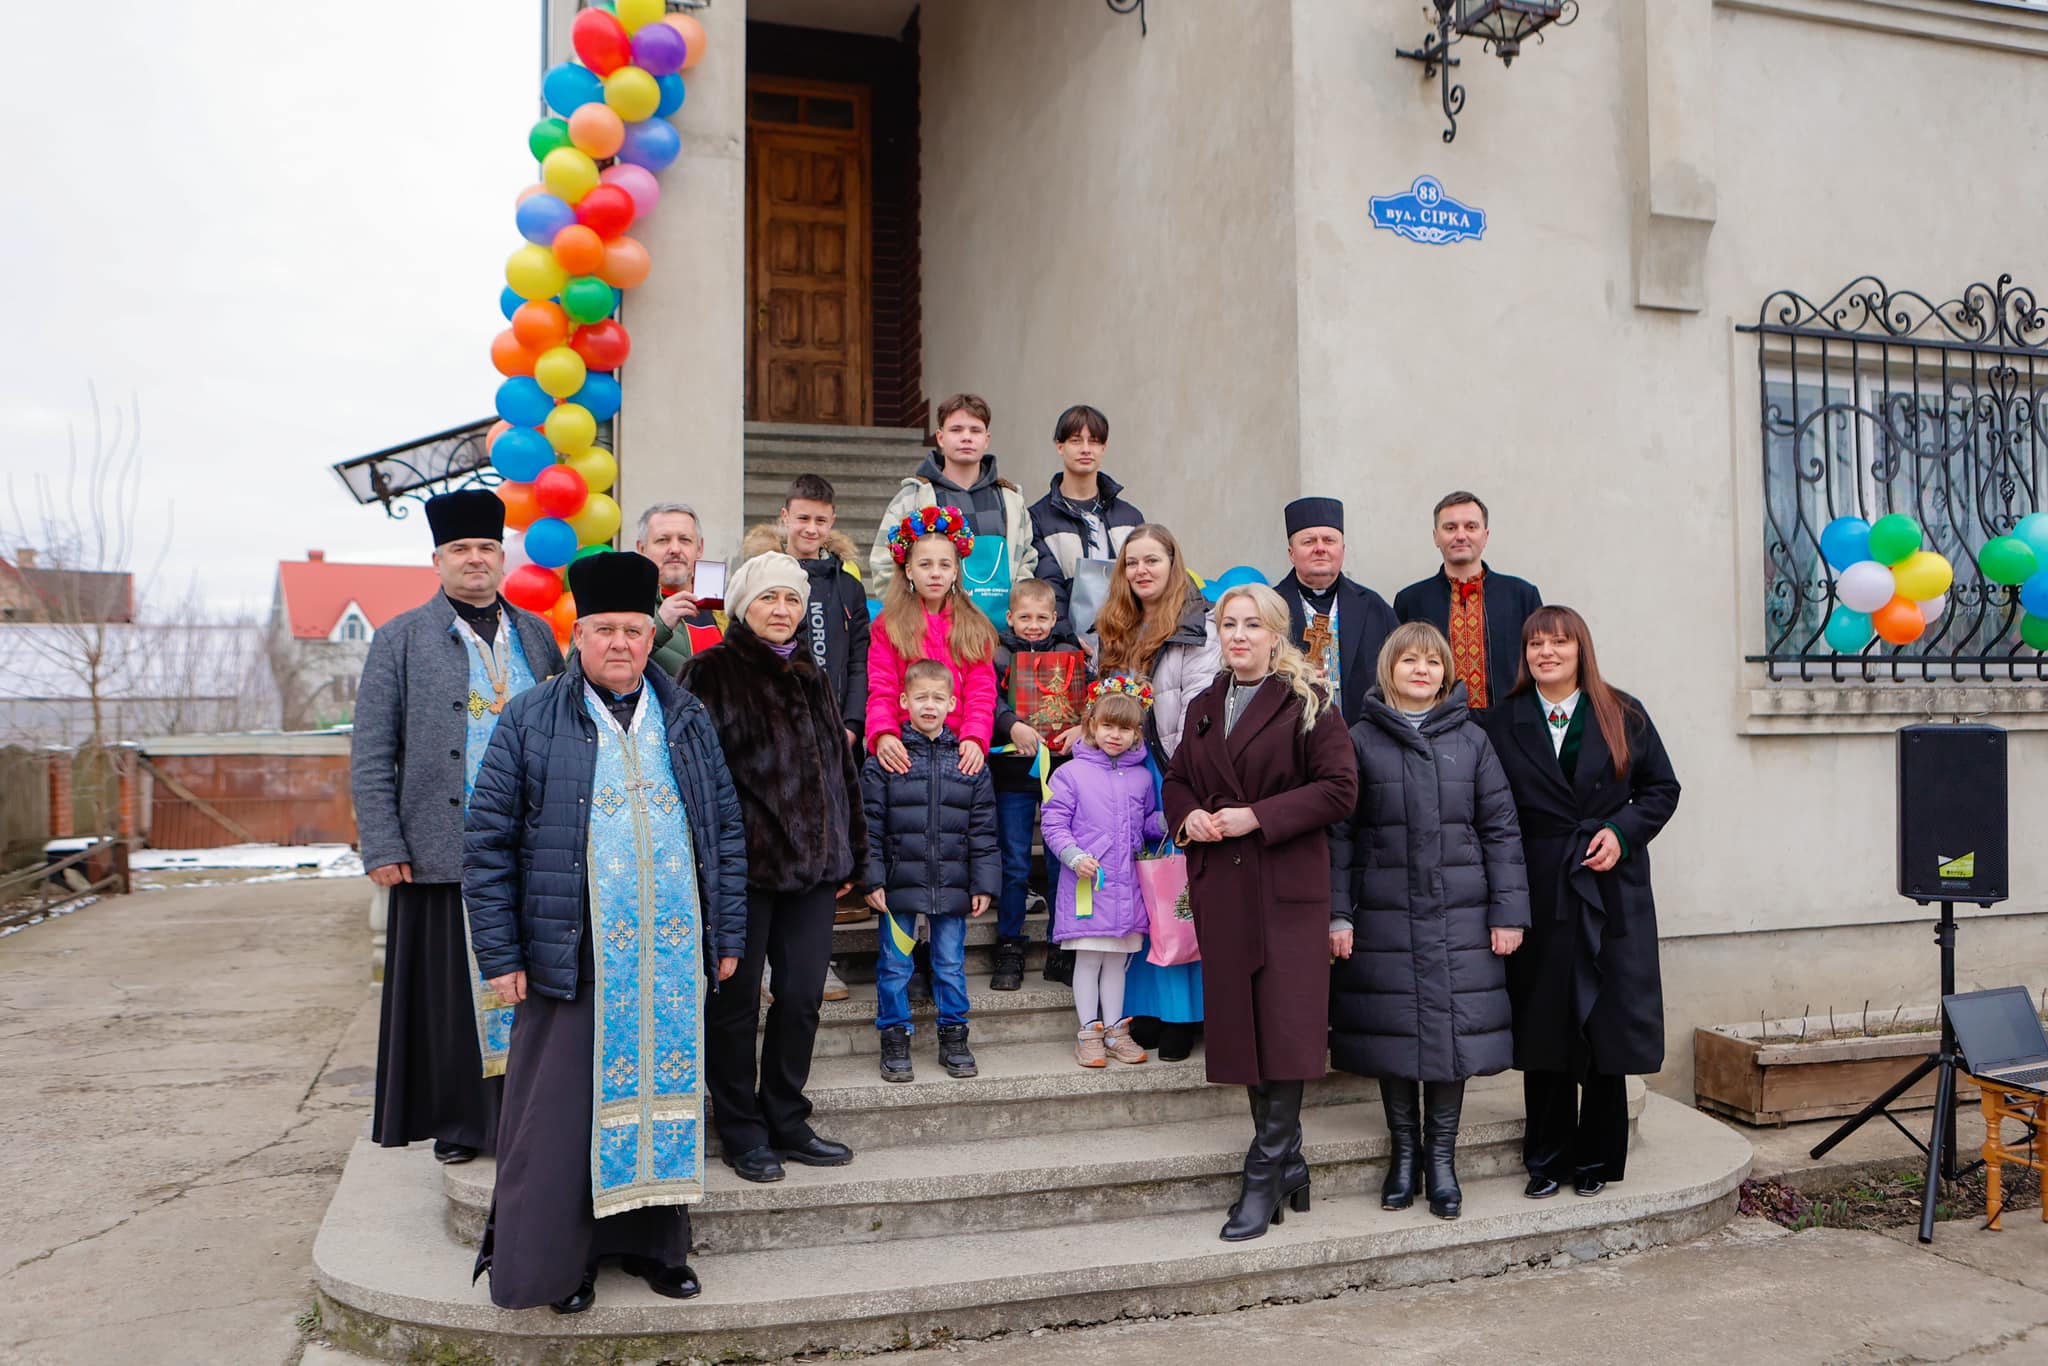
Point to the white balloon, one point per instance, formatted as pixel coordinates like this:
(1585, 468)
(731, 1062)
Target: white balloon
(515, 550)
(1934, 607)
(1865, 586)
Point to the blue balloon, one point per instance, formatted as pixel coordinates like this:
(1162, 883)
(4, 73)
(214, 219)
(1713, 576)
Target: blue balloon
(671, 95)
(568, 87)
(1845, 541)
(652, 143)
(1848, 630)
(541, 216)
(2033, 529)
(600, 393)
(2034, 593)
(550, 541)
(874, 608)
(523, 403)
(508, 302)
(1230, 578)
(521, 454)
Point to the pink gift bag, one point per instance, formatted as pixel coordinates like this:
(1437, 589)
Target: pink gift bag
(1163, 883)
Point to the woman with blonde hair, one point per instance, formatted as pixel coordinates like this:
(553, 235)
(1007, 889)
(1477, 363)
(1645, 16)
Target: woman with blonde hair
(1430, 897)
(1264, 766)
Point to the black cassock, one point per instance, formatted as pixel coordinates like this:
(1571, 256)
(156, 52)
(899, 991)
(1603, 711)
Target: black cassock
(430, 1081)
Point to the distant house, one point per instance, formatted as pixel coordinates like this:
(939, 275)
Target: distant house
(63, 683)
(30, 592)
(322, 618)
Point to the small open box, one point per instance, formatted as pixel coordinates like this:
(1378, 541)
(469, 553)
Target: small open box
(708, 587)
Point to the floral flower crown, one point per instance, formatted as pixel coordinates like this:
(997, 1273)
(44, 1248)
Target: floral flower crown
(1137, 689)
(931, 521)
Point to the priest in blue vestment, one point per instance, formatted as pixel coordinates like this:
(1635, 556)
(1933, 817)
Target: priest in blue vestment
(605, 872)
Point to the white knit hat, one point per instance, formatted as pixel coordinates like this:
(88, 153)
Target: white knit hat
(770, 569)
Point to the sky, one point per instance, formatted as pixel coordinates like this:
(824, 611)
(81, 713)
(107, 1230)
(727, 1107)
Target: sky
(279, 232)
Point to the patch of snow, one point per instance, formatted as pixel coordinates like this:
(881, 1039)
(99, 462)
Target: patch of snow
(326, 860)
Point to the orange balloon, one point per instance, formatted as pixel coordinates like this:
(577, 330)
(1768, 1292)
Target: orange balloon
(1899, 622)
(597, 130)
(540, 326)
(579, 250)
(693, 36)
(498, 429)
(521, 507)
(563, 615)
(529, 192)
(626, 263)
(509, 356)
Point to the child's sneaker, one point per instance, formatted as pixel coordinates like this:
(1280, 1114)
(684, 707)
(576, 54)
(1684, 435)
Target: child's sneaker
(1118, 1043)
(1088, 1046)
(896, 1054)
(953, 1054)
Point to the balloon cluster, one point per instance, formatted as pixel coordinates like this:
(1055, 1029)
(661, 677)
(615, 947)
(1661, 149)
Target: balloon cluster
(2021, 561)
(1232, 577)
(1888, 584)
(598, 156)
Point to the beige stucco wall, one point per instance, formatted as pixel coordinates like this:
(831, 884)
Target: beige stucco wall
(1106, 220)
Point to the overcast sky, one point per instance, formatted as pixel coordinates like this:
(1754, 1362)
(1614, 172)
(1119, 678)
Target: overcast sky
(279, 229)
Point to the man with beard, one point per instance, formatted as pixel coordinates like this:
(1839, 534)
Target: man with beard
(671, 536)
(1479, 610)
(1338, 623)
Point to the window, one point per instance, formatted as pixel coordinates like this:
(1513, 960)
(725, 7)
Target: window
(352, 628)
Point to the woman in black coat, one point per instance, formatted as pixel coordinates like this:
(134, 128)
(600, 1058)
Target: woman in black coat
(1592, 787)
(1429, 898)
(799, 790)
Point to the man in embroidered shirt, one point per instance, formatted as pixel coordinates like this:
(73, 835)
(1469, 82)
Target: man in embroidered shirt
(605, 875)
(1340, 624)
(433, 685)
(1479, 610)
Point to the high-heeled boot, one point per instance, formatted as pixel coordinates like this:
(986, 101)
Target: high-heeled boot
(1275, 1173)
(1442, 1103)
(1404, 1154)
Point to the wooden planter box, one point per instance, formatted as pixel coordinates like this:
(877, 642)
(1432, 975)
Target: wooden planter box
(1766, 1074)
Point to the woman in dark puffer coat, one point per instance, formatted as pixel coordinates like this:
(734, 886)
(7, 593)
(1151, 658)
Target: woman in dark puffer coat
(1429, 897)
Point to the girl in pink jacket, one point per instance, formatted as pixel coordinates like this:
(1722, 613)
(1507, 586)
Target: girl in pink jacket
(926, 615)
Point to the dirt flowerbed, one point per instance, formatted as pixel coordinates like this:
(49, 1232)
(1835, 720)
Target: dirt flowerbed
(1889, 1200)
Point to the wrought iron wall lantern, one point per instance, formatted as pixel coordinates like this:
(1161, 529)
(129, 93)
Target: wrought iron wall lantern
(1501, 26)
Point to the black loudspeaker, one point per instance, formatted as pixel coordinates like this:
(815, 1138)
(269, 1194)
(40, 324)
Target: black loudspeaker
(1952, 814)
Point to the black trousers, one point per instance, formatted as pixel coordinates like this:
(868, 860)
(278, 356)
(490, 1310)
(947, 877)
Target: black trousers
(792, 933)
(1577, 1128)
(430, 1074)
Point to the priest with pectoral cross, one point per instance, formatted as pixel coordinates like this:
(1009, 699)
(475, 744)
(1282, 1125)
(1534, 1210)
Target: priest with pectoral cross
(1338, 623)
(606, 880)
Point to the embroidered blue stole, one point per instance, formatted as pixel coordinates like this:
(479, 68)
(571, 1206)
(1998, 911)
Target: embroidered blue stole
(646, 939)
(493, 1016)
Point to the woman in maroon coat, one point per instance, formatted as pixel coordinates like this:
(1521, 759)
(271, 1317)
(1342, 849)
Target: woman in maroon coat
(1264, 766)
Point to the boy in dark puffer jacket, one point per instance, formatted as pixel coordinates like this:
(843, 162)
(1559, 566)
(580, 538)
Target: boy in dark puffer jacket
(932, 852)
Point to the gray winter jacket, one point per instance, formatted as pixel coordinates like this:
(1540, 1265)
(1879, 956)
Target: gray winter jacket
(405, 759)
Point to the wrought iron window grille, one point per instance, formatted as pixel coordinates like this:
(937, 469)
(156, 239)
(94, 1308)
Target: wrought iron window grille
(1878, 401)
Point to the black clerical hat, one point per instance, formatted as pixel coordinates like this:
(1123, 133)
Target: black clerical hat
(616, 581)
(466, 515)
(1304, 513)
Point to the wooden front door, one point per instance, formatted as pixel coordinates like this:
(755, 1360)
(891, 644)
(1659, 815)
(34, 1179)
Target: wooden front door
(807, 252)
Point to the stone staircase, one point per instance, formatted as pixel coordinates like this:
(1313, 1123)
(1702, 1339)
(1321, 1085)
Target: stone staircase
(1038, 1193)
(865, 465)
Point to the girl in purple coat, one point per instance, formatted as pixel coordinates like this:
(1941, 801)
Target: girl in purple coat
(1103, 808)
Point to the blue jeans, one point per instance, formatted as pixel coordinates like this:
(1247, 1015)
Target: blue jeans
(949, 971)
(1016, 825)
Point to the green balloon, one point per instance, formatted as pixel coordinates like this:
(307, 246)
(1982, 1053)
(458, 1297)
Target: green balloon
(587, 299)
(2008, 560)
(1893, 538)
(2034, 631)
(589, 550)
(548, 135)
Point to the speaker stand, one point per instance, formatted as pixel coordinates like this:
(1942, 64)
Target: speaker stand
(1940, 1146)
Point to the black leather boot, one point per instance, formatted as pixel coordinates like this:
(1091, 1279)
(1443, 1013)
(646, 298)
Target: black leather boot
(896, 1054)
(1275, 1173)
(1442, 1102)
(1404, 1154)
(953, 1053)
(1009, 969)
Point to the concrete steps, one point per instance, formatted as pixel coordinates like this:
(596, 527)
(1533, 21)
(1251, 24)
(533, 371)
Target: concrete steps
(1042, 1012)
(394, 1285)
(865, 465)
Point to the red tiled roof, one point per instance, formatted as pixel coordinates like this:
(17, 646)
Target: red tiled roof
(316, 592)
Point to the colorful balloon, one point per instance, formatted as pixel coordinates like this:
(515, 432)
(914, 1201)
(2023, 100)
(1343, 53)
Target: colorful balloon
(635, 15)
(600, 41)
(509, 300)
(659, 50)
(1849, 631)
(587, 299)
(1923, 574)
(1899, 622)
(1934, 607)
(2008, 560)
(546, 136)
(562, 616)
(520, 455)
(2033, 529)
(599, 470)
(626, 264)
(2034, 631)
(559, 371)
(1844, 541)
(1893, 538)
(540, 326)
(569, 87)
(552, 543)
(632, 93)
(533, 586)
(579, 250)
(533, 273)
(568, 173)
(693, 35)
(600, 393)
(498, 429)
(509, 356)
(541, 216)
(2034, 594)
(639, 184)
(520, 509)
(561, 490)
(653, 143)
(597, 130)
(606, 211)
(524, 403)
(672, 94)
(570, 427)
(604, 346)
(597, 521)
(1866, 586)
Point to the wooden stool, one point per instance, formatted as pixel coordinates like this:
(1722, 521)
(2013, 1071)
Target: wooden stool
(2030, 1109)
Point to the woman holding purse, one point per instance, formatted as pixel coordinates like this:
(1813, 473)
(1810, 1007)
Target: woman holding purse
(1264, 766)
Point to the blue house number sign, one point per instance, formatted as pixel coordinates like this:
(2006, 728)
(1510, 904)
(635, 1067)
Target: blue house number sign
(1426, 214)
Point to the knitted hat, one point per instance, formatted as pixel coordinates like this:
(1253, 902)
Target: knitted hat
(1304, 513)
(770, 569)
(466, 515)
(616, 581)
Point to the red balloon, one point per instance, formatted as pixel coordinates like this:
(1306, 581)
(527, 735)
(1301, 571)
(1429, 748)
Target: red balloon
(530, 586)
(540, 326)
(606, 210)
(520, 506)
(603, 346)
(509, 356)
(600, 41)
(560, 491)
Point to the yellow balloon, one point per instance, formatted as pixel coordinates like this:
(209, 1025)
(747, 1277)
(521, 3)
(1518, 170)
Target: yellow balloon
(533, 273)
(570, 427)
(1923, 575)
(597, 467)
(570, 174)
(560, 372)
(633, 96)
(596, 521)
(634, 15)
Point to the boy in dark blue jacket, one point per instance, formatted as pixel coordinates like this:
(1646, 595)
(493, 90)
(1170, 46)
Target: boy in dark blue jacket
(932, 852)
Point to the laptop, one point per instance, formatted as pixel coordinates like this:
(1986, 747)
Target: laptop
(2001, 1036)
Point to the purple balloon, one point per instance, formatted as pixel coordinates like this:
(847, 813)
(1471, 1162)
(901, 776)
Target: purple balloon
(659, 50)
(541, 216)
(652, 143)
(639, 184)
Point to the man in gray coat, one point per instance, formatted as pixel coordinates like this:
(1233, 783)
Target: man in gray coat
(433, 684)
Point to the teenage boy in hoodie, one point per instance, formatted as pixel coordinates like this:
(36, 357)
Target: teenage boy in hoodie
(960, 472)
(1083, 516)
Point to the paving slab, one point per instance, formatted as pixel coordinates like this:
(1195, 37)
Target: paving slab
(2017, 1252)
